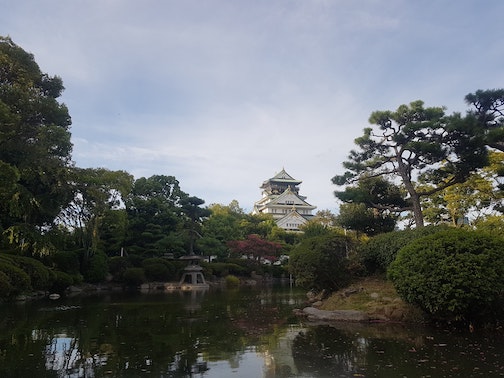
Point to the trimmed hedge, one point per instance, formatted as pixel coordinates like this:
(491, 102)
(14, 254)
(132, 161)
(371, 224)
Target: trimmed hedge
(18, 279)
(455, 274)
(377, 254)
(134, 276)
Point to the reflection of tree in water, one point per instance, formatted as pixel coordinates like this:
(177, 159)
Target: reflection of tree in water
(328, 352)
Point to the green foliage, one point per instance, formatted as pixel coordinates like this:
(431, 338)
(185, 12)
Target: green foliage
(40, 277)
(18, 279)
(134, 276)
(488, 109)
(221, 269)
(360, 218)
(5, 285)
(453, 274)
(412, 142)
(321, 262)
(153, 211)
(232, 281)
(66, 261)
(315, 228)
(158, 269)
(96, 268)
(35, 146)
(117, 267)
(378, 252)
(61, 281)
(493, 224)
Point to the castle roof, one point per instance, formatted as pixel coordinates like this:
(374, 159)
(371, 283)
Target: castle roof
(282, 177)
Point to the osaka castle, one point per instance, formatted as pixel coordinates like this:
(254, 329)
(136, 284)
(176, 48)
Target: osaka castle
(281, 199)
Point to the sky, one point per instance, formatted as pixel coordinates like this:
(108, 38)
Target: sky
(223, 94)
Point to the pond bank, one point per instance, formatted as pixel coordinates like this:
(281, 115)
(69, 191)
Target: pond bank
(371, 299)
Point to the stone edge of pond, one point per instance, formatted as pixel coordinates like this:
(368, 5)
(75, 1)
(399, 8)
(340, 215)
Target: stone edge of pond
(315, 314)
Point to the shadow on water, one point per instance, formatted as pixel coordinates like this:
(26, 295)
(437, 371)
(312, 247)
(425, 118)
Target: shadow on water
(220, 333)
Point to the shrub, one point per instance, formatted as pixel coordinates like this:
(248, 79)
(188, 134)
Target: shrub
(454, 274)
(134, 276)
(66, 261)
(377, 253)
(5, 286)
(19, 280)
(232, 281)
(117, 267)
(156, 272)
(159, 269)
(321, 263)
(96, 268)
(61, 281)
(40, 277)
(221, 269)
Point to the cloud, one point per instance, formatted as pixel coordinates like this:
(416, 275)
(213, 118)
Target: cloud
(222, 94)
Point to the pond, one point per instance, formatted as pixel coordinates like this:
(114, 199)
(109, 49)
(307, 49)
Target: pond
(250, 332)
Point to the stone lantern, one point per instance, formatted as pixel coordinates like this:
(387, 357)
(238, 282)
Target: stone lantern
(193, 276)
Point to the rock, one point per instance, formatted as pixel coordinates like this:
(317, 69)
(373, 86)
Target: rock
(374, 295)
(317, 304)
(350, 291)
(74, 289)
(337, 315)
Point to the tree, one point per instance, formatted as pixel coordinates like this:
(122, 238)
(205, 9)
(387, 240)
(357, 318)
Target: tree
(35, 147)
(321, 262)
(370, 206)
(221, 226)
(190, 207)
(153, 208)
(416, 143)
(362, 219)
(479, 195)
(256, 247)
(97, 191)
(488, 109)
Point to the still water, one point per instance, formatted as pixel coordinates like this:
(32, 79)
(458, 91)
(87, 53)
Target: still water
(225, 333)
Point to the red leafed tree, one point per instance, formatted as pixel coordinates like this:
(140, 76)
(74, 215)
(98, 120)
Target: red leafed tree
(254, 246)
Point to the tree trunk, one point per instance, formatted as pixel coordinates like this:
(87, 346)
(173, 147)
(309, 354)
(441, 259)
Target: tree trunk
(417, 210)
(405, 173)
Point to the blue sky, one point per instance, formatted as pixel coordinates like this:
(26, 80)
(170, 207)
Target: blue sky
(224, 94)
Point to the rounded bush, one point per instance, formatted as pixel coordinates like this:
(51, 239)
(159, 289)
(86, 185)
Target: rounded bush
(377, 254)
(156, 272)
(159, 269)
(134, 276)
(39, 274)
(232, 281)
(19, 280)
(454, 274)
(61, 281)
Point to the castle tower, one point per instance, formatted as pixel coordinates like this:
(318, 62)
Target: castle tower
(281, 199)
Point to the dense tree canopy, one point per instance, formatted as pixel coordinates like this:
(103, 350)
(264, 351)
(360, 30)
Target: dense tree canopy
(35, 147)
(153, 207)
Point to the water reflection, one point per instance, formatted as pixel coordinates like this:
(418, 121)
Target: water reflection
(219, 333)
